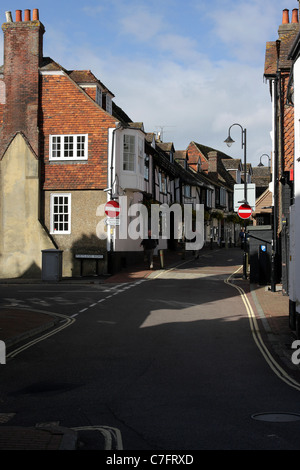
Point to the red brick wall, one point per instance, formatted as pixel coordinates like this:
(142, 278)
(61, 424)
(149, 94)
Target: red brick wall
(288, 129)
(22, 54)
(65, 109)
(2, 100)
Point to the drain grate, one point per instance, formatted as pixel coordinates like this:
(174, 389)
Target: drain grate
(276, 417)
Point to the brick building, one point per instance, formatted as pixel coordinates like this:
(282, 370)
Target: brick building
(278, 73)
(53, 154)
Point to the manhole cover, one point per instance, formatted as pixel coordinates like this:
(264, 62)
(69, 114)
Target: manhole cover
(276, 417)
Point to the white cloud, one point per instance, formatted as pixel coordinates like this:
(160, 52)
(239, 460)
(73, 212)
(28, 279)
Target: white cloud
(244, 26)
(179, 86)
(180, 48)
(92, 10)
(140, 23)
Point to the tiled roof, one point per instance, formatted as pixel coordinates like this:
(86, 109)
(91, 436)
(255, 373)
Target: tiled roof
(232, 164)
(263, 203)
(286, 42)
(78, 76)
(204, 149)
(271, 58)
(261, 178)
(136, 125)
(50, 65)
(180, 155)
(87, 77)
(277, 52)
(83, 76)
(261, 174)
(166, 146)
(119, 114)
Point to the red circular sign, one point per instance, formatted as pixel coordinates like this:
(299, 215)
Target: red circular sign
(244, 211)
(112, 209)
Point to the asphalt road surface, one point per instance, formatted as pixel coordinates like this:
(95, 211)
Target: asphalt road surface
(167, 363)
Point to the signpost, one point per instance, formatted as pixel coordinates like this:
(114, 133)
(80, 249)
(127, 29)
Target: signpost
(244, 211)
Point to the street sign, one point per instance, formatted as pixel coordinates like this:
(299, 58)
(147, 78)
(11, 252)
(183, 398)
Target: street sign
(112, 221)
(244, 211)
(112, 209)
(239, 195)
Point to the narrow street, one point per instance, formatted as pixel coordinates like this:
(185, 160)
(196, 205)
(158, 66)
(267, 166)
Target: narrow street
(169, 362)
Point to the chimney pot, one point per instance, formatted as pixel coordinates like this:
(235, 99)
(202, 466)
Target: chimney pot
(295, 16)
(285, 16)
(8, 16)
(18, 15)
(35, 14)
(26, 15)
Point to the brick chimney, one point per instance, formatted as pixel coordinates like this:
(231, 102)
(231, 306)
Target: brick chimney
(23, 52)
(213, 163)
(286, 26)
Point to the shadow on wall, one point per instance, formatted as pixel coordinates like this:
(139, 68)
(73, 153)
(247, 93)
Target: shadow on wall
(89, 256)
(33, 272)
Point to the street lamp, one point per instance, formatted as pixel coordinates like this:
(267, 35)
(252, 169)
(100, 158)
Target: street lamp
(273, 255)
(264, 155)
(229, 141)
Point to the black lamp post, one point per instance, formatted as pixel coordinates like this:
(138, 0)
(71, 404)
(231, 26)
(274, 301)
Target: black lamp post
(264, 155)
(229, 141)
(273, 255)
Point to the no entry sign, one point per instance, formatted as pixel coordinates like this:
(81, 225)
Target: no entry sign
(112, 209)
(244, 211)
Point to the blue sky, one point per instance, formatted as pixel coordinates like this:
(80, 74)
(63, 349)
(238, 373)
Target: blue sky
(189, 69)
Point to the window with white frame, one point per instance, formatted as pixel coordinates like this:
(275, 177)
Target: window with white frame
(129, 153)
(60, 213)
(68, 147)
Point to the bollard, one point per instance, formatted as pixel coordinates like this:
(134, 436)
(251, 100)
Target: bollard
(161, 257)
(2, 353)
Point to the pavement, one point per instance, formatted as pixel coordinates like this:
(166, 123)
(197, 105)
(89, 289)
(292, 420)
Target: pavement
(17, 325)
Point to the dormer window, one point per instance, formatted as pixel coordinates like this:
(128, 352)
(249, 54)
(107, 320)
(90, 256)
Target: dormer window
(99, 96)
(199, 165)
(107, 102)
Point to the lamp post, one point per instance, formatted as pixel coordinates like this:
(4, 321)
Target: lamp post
(273, 253)
(264, 155)
(229, 141)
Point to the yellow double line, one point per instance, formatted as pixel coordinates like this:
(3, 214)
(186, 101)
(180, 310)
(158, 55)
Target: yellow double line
(279, 371)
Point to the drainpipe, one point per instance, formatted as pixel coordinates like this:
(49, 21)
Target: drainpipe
(277, 96)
